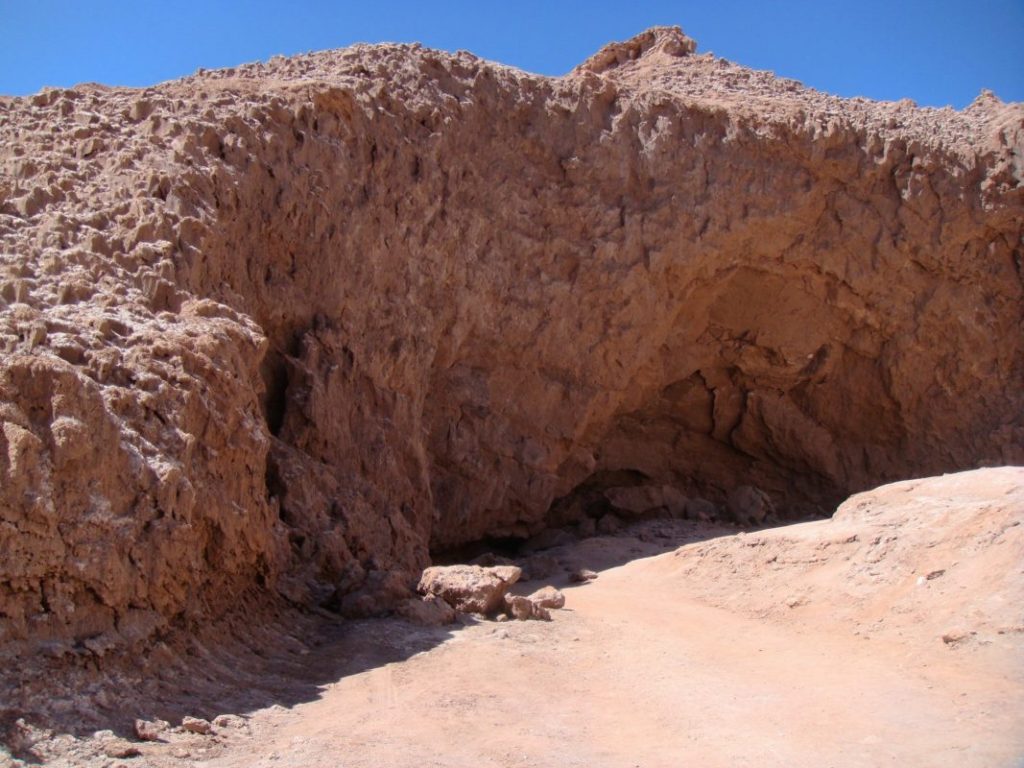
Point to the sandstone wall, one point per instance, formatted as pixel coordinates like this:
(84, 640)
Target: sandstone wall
(292, 325)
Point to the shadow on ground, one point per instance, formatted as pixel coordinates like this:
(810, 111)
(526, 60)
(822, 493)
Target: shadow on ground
(261, 657)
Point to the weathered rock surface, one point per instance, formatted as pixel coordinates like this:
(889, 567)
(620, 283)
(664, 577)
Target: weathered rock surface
(548, 597)
(289, 326)
(524, 609)
(470, 588)
(120, 748)
(197, 725)
(150, 730)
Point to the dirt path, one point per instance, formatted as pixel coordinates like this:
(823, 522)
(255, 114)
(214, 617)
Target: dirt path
(636, 673)
(891, 634)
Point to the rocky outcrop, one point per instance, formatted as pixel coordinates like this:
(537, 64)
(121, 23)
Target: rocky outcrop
(287, 327)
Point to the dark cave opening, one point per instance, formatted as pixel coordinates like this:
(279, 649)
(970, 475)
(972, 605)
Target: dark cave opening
(275, 378)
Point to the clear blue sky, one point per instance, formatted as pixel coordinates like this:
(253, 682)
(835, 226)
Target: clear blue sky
(936, 52)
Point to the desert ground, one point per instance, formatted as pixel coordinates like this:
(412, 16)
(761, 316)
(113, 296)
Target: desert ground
(891, 634)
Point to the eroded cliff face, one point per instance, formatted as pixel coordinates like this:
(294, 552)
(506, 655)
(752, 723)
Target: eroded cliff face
(289, 327)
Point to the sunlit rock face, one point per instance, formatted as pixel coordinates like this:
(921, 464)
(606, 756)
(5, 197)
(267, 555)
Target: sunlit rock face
(288, 327)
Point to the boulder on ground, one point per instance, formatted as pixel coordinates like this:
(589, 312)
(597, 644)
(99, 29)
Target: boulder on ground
(196, 725)
(119, 748)
(524, 609)
(227, 721)
(470, 588)
(150, 730)
(548, 597)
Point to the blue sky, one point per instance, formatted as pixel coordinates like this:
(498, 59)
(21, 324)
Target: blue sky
(937, 52)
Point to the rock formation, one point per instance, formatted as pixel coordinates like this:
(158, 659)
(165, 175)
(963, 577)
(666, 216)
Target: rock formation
(286, 328)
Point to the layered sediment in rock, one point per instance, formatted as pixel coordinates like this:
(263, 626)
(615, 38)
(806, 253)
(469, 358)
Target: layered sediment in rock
(288, 327)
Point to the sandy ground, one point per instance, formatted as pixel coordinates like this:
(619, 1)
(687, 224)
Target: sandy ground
(642, 668)
(629, 678)
(889, 635)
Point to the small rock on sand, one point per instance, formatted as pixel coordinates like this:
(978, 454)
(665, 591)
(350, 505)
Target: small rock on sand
(119, 748)
(523, 609)
(955, 636)
(196, 725)
(150, 730)
(229, 721)
(548, 597)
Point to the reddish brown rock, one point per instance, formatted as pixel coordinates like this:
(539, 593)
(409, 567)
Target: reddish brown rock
(302, 322)
(197, 725)
(548, 597)
(470, 588)
(524, 609)
(228, 722)
(150, 730)
(119, 748)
